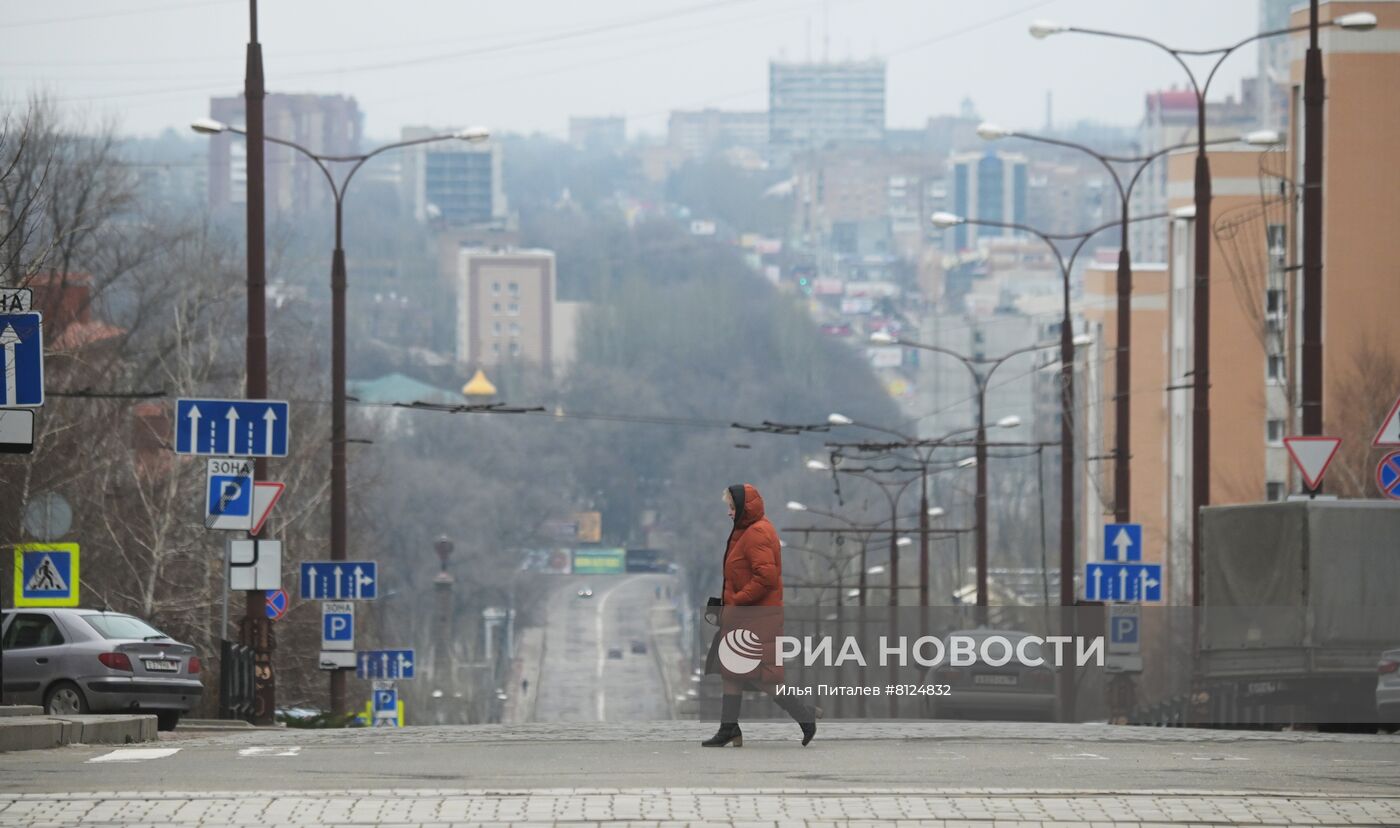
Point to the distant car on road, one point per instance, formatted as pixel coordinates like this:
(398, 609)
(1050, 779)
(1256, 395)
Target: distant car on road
(981, 691)
(639, 648)
(1388, 689)
(615, 652)
(75, 661)
(585, 593)
(836, 329)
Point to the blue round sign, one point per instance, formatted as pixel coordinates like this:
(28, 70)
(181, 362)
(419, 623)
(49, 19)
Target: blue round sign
(1388, 475)
(276, 604)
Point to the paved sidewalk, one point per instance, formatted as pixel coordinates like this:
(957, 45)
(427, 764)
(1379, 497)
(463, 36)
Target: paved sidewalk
(656, 807)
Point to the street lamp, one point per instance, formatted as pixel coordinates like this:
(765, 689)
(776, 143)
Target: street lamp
(924, 459)
(339, 517)
(981, 375)
(946, 220)
(1122, 481)
(1312, 292)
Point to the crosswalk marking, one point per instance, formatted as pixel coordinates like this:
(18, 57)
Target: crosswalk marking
(135, 755)
(270, 751)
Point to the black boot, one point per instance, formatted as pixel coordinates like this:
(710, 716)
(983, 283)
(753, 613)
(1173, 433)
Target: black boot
(728, 724)
(805, 715)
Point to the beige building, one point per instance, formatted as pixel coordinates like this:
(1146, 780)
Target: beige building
(1148, 434)
(1360, 242)
(505, 306)
(1248, 378)
(1256, 296)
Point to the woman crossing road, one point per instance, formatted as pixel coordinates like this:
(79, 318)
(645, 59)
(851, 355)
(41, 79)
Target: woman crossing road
(750, 618)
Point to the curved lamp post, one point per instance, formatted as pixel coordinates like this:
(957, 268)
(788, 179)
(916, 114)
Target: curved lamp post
(925, 460)
(209, 126)
(981, 370)
(1122, 481)
(1200, 374)
(1067, 340)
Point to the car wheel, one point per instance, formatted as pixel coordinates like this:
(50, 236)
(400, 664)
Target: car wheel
(167, 719)
(65, 699)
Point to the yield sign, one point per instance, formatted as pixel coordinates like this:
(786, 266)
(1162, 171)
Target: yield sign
(1312, 456)
(265, 496)
(1389, 435)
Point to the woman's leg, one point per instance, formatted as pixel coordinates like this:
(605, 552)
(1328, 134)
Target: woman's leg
(729, 706)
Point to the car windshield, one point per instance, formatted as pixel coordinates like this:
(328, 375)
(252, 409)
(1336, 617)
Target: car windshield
(124, 626)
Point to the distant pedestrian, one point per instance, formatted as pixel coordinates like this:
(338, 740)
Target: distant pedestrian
(524, 686)
(751, 611)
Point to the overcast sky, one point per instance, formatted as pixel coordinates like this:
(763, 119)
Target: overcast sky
(527, 65)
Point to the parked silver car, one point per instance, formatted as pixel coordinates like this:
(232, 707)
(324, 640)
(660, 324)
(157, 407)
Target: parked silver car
(75, 661)
(1388, 689)
(981, 691)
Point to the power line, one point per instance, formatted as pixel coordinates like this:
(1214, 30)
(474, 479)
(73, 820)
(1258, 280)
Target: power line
(16, 24)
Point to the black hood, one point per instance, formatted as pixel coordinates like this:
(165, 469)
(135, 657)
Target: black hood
(736, 493)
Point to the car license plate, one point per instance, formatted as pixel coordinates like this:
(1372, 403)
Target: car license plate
(992, 678)
(162, 666)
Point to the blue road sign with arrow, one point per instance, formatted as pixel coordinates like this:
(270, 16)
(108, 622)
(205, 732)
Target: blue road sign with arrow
(231, 428)
(22, 340)
(1122, 542)
(384, 664)
(340, 580)
(1122, 582)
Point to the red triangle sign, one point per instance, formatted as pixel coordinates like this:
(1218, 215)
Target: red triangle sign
(1389, 435)
(1312, 456)
(265, 496)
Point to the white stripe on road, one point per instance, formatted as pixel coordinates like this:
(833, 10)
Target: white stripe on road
(598, 684)
(135, 755)
(270, 751)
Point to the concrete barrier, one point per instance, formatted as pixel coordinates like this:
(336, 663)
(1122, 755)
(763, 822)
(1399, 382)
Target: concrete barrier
(31, 732)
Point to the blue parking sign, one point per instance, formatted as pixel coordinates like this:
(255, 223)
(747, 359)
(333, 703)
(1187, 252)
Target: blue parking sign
(338, 626)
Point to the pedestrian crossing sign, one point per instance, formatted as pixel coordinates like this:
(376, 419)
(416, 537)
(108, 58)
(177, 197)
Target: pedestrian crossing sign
(46, 575)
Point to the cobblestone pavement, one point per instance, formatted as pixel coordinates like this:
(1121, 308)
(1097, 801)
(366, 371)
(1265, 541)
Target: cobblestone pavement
(978, 807)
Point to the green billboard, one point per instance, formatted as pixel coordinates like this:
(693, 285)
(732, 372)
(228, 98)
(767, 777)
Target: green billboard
(600, 561)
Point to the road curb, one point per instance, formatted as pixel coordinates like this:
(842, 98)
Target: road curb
(46, 732)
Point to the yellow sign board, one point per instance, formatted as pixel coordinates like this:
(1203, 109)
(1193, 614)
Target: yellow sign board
(590, 527)
(46, 575)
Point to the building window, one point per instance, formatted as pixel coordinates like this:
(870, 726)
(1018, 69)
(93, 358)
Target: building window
(1276, 373)
(515, 329)
(495, 288)
(496, 347)
(514, 309)
(1275, 432)
(515, 349)
(496, 328)
(515, 288)
(1273, 490)
(1273, 301)
(496, 307)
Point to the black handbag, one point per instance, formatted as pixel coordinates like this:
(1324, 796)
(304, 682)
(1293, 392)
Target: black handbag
(712, 609)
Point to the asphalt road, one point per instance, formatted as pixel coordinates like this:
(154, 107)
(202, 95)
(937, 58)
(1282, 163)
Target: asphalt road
(895, 755)
(580, 680)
